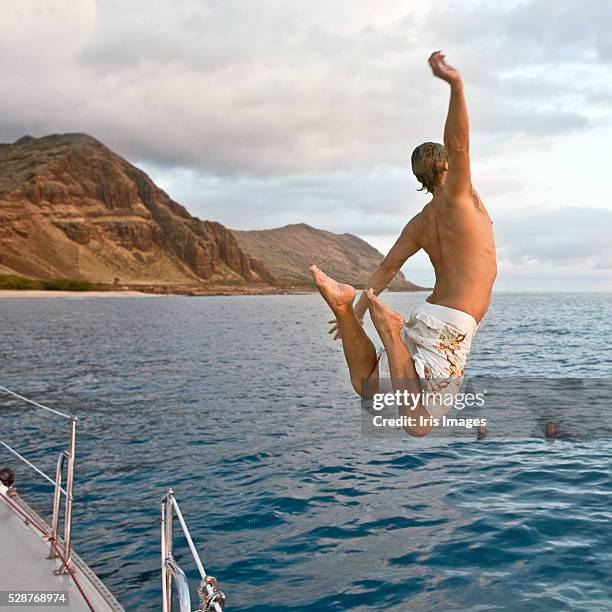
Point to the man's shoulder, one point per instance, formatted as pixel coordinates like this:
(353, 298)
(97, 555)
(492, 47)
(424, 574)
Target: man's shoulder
(429, 212)
(415, 221)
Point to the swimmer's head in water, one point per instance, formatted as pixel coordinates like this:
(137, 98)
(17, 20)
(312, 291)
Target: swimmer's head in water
(551, 429)
(429, 164)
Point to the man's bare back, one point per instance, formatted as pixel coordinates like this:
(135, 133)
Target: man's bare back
(458, 238)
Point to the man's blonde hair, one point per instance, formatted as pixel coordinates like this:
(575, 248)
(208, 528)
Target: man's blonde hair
(429, 162)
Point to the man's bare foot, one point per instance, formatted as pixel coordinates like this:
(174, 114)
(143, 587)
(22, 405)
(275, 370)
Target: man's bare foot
(387, 322)
(338, 296)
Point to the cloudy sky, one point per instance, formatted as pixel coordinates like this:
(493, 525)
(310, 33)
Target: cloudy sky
(259, 113)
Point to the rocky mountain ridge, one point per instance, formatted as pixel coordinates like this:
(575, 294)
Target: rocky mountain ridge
(288, 251)
(71, 207)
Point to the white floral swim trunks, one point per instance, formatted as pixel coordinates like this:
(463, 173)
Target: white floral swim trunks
(439, 339)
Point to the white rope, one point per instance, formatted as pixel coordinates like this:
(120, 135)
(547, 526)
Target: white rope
(29, 401)
(12, 450)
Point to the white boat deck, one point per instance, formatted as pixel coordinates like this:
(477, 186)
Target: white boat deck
(24, 565)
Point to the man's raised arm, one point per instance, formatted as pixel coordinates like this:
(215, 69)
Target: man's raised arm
(458, 183)
(405, 246)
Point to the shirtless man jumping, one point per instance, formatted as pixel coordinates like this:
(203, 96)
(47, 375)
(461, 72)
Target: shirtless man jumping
(430, 349)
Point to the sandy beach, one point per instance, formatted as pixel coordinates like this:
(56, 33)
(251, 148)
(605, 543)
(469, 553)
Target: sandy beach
(40, 294)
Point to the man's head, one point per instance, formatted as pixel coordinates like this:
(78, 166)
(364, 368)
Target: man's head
(481, 433)
(551, 429)
(429, 164)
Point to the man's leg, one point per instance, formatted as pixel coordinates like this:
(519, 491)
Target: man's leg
(403, 374)
(358, 349)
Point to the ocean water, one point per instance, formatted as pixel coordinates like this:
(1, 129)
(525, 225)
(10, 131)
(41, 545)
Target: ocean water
(243, 406)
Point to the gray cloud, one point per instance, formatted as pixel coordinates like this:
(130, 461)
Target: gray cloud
(273, 87)
(565, 31)
(563, 236)
(373, 200)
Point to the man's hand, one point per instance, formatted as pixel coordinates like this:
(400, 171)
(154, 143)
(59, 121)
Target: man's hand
(335, 328)
(442, 70)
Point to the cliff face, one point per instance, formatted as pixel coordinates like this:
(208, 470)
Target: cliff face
(70, 207)
(288, 251)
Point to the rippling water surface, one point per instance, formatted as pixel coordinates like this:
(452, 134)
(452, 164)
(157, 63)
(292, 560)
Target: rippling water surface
(243, 406)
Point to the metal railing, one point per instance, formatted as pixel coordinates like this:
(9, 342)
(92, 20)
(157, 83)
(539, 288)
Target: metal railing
(211, 598)
(66, 457)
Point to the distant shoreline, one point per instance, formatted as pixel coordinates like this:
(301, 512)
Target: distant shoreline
(46, 294)
(43, 294)
(14, 286)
